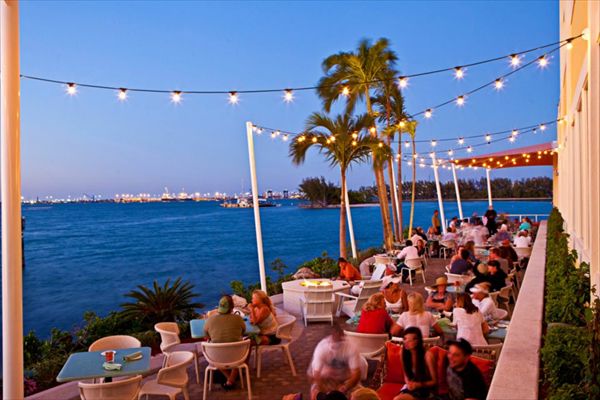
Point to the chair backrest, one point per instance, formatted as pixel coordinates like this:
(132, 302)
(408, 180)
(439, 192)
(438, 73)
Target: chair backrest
(169, 335)
(414, 263)
(382, 259)
(505, 291)
(367, 343)
(503, 264)
(451, 244)
(462, 279)
(365, 267)
(174, 373)
(226, 355)
(115, 342)
(368, 288)
(378, 272)
(432, 342)
(318, 301)
(523, 252)
(494, 297)
(126, 389)
(285, 325)
(489, 352)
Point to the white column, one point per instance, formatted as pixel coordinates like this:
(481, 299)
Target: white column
(10, 176)
(460, 212)
(489, 186)
(395, 194)
(259, 242)
(350, 226)
(439, 194)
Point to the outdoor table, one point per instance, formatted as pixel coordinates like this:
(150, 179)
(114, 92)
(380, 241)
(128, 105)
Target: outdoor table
(494, 335)
(197, 328)
(88, 365)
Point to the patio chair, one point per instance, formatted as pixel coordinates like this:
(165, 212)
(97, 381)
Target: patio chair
(461, 279)
(385, 260)
(379, 272)
(365, 267)
(284, 332)
(226, 356)
(172, 379)
(413, 264)
(125, 389)
(115, 342)
(489, 352)
(170, 342)
(523, 252)
(370, 345)
(505, 295)
(447, 247)
(317, 304)
(350, 304)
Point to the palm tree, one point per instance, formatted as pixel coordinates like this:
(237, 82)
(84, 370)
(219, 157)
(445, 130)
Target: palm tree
(410, 127)
(342, 142)
(352, 76)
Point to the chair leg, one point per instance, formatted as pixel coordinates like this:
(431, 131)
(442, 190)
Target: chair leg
(210, 379)
(423, 275)
(410, 277)
(290, 360)
(248, 382)
(240, 372)
(186, 394)
(258, 361)
(284, 355)
(205, 388)
(197, 362)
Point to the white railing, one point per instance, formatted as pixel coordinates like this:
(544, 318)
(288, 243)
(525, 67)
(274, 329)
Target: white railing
(536, 217)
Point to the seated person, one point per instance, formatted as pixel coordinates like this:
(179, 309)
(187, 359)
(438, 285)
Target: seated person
(496, 254)
(415, 236)
(262, 314)
(348, 272)
(470, 247)
(440, 299)
(503, 234)
(419, 367)
(408, 253)
(432, 232)
(395, 297)
(496, 276)
(480, 234)
(450, 235)
(461, 265)
(465, 380)
(416, 316)
(225, 327)
(374, 317)
(421, 233)
(523, 239)
(421, 249)
(336, 365)
(481, 275)
(525, 225)
(483, 301)
(507, 251)
(454, 224)
(470, 323)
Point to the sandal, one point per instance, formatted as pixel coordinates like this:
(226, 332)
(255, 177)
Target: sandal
(227, 386)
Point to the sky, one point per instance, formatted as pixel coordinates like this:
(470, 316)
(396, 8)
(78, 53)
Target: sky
(91, 143)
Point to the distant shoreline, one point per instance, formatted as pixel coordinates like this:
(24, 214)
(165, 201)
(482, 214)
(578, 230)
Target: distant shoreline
(309, 207)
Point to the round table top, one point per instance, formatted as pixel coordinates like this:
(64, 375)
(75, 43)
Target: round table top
(297, 284)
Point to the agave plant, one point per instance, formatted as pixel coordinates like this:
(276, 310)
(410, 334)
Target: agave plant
(169, 302)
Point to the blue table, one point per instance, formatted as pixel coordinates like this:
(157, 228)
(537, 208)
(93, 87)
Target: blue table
(495, 333)
(197, 328)
(88, 365)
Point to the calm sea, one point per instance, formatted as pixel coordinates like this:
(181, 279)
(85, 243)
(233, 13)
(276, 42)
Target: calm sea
(83, 257)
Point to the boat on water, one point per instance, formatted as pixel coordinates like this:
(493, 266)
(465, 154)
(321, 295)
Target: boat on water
(247, 203)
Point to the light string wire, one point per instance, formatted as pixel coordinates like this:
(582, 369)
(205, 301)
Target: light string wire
(290, 89)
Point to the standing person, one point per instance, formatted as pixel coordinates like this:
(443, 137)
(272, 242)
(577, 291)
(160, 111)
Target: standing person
(491, 215)
(225, 327)
(374, 318)
(435, 222)
(262, 314)
(336, 365)
(419, 367)
(416, 316)
(348, 272)
(465, 380)
(470, 323)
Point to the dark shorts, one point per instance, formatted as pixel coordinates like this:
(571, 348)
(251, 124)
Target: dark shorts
(273, 339)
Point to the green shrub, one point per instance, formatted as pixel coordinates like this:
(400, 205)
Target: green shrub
(565, 355)
(569, 392)
(325, 266)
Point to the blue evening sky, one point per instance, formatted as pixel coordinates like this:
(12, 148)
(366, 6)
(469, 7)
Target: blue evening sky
(91, 143)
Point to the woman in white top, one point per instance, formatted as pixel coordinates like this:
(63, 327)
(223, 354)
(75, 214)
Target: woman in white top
(522, 240)
(469, 321)
(416, 316)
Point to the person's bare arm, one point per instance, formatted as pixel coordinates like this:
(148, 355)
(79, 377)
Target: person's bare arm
(438, 329)
(396, 330)
(352, 381)
(485, 327)
(448, 305)
(258, 314)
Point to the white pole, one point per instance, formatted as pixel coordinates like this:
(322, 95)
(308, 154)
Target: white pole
(350, 226)
(460, 212)
(489, 186)
(10, 176)
(439, 194)
(395, 193)
(259, 242)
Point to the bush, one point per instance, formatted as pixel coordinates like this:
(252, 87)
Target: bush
(565, 355)
(325, 266)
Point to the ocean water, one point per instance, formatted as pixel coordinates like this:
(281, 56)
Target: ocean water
(82, 257)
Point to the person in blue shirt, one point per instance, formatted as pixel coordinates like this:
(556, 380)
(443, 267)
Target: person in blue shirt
(461, 265)
(525, 225)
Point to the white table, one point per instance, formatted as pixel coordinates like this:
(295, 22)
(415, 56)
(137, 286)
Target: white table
(293, 291)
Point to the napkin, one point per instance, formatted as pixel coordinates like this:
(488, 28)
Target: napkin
(133, 356)
(112, 366)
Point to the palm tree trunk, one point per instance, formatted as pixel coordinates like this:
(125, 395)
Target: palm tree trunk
(414, 186)
(384, 205)
(400, 188)
(397, 226)
(343, 251)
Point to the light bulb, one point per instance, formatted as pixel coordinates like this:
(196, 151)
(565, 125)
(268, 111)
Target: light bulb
(542, 127)
(354, 135)
(433, 143)
(543, 61)
(514, 132)
(354, 143)
(569, 44)
(176, 96)
(460, 100)
(345, 91)
(372, 129)
(450, 153)
(233, 98)
(285, 137)
(409, 163)
(498, 84)
(71, 89)
(332, 138)
(515, 60)
(122, 94)
(403, 82)
(461, 141)
(314, 139)
(380, 144)
(428, 113)
(511, 139)
(402, 124)
(288, 95)
(302, 139)
(407, 144)
(432, 154)
(273, 135)
(459, 73)
(488, 137)
(469, 149)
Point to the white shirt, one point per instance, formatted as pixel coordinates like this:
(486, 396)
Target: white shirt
(450, 236)
(415, 239)
(469, 326)
(422, 321)
(489, 309)
(480, 235)
(522, 241)
(336, 360)
(409, 252)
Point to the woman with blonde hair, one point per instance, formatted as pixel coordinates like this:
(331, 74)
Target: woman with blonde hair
(416, 316)
(262, 314)
(374, 317)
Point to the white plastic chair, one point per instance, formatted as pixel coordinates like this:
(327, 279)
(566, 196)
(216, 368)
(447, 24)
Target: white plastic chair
(489, 352)
(284, 332)
(370, 345)
(350, 305)
(125, 389)
(461, 279)
(378, 272)
(172, 379)
(447, 247)
(170, 342)
(523, 252)
(413, 264)
(317, 304)
(226, 356)
(115, 342)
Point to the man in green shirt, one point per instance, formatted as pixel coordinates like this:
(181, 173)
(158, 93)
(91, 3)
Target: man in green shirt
(225, 327)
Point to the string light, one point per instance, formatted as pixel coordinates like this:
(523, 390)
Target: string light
(301, 138)
(428, 113)
(488, 138)
(354, 135)
(515, 60)
(433, 143)
(450, 153)
(373, 130)
(461, 140)
(332, 138)
(380, 144)
(354, 143)
(273, 135)
(569, 44)
(432, 154)
(460, 100)
(499, 84)
(288, 95)
(543, 61)
(233, 98)
(407, 144)
(176, 96)
(71, 89)
(402, 124)
(514, 133)
(403, 82)
(346, 91)
(459, 73)
(542, 127)
(469, 149)
(511, 139)
(122, 94)
(285, 137)
(314, 139)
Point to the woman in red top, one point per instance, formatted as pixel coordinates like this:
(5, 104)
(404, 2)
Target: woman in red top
(374, 317)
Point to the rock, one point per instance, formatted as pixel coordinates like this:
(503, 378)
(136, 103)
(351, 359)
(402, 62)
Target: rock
(305, 273)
